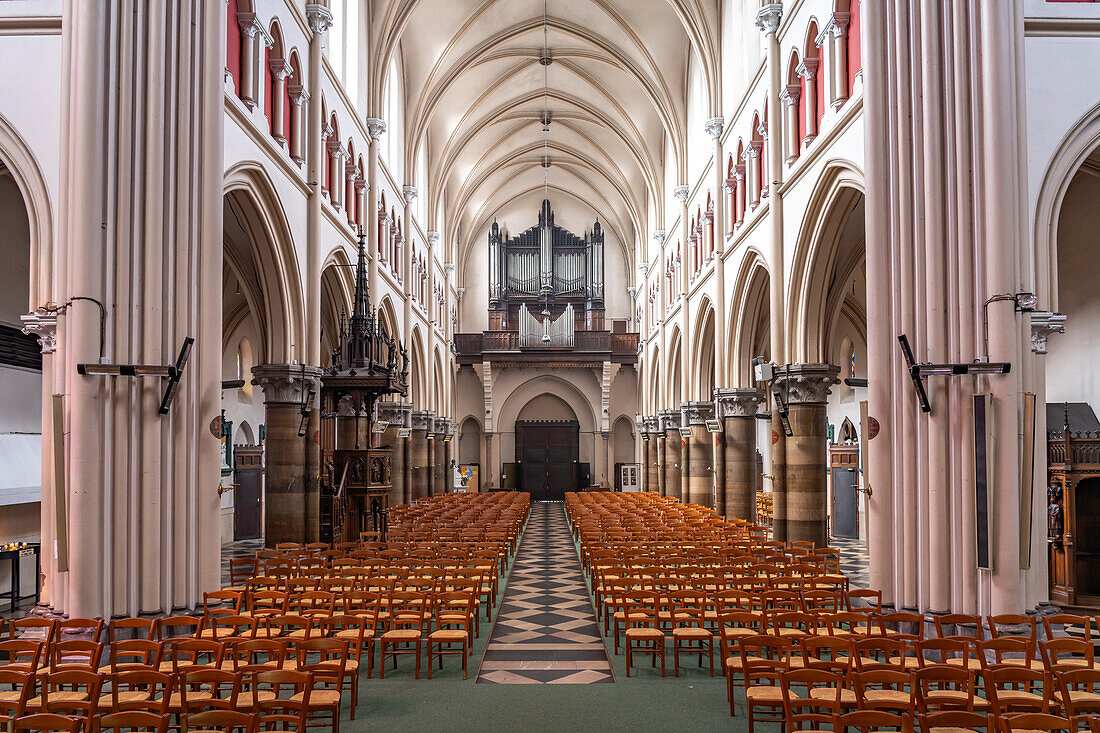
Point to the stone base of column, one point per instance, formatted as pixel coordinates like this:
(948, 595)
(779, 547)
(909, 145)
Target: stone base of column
(806, 389)
(291, 499)
(737, 410)
(699, 461)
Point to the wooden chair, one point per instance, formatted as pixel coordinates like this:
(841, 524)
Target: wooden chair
(16, 687)
(1064, 651)
(132, 654)
(279, 696)
(24, 655)
(764, 661)
(46, 723)
(182, 655)
(943, 687)
(75, 654)
(689, 630)
(819, 705)
(642, 634)
(177, 627)
(135, 721)
(409, 618)
(1078, 690)
(68, 691)
(326, 662)
(138, 691)
(206, 689)
(121, 629)
(885, 688)
(1012, 688)
(454, 620)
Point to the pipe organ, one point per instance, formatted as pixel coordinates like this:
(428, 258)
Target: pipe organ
(548, 270)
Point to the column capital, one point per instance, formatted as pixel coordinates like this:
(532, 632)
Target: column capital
(769, 17)
(808, 68)
(696, 413)
(397, 414)
(651, 424)
(790, 94)
(681, 193)
(714, 126)
(659, 236)
(669, 420)
(737, 402)
(249, 25)
(461, 292)
(43, 324)
(298, 94)
(752, 150)
(805, 383)
(280, 68)
(319, 17)
(433, 238)
(449, 268)
(376, 127)
(285, 383)
(410, 193)
(838, 25)
(422, 420)
(1043, 323)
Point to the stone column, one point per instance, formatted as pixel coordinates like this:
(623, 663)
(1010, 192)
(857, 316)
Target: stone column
(337, 156)
(143, 91)
(399, 417)
(673, 471)
(736, 408)
(420, 458)
(838, 57)
(320, 20)
(43, 324)
(298, 98)
(807, 70)
(652, 455)
(401, 267)
(714, 127)
(250, 31)
(740, 172)
(699, 457)
(805, 390)
(280, 70)
(439, 455)
(682, 193)
(292, 501)
(375, 128)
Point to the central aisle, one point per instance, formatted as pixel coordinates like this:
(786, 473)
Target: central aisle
(546, 630)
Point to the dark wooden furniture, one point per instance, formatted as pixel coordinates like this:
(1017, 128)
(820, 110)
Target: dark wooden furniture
(15, 556)
(1073, 508)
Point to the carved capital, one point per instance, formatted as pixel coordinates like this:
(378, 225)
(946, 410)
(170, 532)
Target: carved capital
(376, 127)
(714, 127)
(410, 193)
(651, 424)
(319, 17)
(285, 383)
(805, 383)
(1043, 323)
(280, 68)
(742, 402)
(659, 236)
(808, 68)
(769, 17)
(397, 414)
(250, 27)
(298, 94)
(433, 238)
(681, 193)
(696, 413)
(43, 324)
(423, 420)
(790, 94)
(669, 420)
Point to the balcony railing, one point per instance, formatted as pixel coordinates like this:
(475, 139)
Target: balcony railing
(623, 346)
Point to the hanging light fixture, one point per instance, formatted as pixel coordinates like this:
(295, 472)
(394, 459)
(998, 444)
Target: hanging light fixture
(545, 61)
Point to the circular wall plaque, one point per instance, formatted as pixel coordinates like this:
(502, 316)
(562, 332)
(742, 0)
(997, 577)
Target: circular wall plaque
(872, 428)
(216, 427)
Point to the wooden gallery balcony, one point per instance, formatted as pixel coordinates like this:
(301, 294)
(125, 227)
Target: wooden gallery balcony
(589, 349)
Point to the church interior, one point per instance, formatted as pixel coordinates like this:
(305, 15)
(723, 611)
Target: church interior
(370, 364)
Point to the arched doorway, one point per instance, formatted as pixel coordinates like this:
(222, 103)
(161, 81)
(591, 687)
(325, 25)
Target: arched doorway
(547, 448)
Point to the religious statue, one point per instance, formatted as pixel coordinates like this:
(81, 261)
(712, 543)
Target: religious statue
(1055, 523)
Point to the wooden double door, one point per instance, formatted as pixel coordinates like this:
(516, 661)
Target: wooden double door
(547, 453)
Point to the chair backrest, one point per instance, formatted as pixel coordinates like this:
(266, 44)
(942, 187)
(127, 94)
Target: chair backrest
(867, 721)
(1066, 619)
(177, 627)
(820, 702)
(75, 653)
(1080, 680)
(1062, 649)
(1038, 722)
(135, 720)
(20, 685)
(47, 723)
(156, 688)
(959, 624)
(23, 654)
(187, 653)
(90, 628)
(56, 684)
(204, 689)
(963, 719)
(130, 628)
(126, 653)
(222, 720)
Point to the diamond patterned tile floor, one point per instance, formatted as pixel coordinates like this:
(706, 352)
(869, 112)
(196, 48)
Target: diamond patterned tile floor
(854, 561)
(546, 631)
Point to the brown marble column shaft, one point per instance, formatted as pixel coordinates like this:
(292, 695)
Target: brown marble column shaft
(698, 460)
(674, 454)
(737, 410)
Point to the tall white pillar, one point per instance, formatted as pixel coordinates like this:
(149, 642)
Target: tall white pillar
(320, 20)
(280, 70)
(375, 128)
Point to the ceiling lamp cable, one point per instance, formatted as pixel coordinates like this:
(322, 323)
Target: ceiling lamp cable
(545, 61)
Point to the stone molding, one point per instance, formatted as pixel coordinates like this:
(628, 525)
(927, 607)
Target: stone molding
(43, 324)
(1043, 323)
(651, 424)
(805, 383)
(410, 193)
(682, 193)
(696, 413)
(319, 17)
(285, 384)
(397, 414)
(376, 127)
(738, 402)
(422, 420)
(669, 420)
(714, 127)
(769, 17)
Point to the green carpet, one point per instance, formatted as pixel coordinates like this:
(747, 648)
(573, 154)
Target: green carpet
(642, 702)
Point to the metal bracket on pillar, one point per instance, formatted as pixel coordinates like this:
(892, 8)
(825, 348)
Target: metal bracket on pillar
(917, 372)
(171, 372)
(307, 400)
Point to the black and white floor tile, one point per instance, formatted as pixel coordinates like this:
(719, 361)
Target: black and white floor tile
(546, 630)
(854, 561)
(240, 548)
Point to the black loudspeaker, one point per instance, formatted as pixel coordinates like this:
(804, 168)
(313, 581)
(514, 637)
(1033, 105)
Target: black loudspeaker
(983, 458)
(584, 476)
